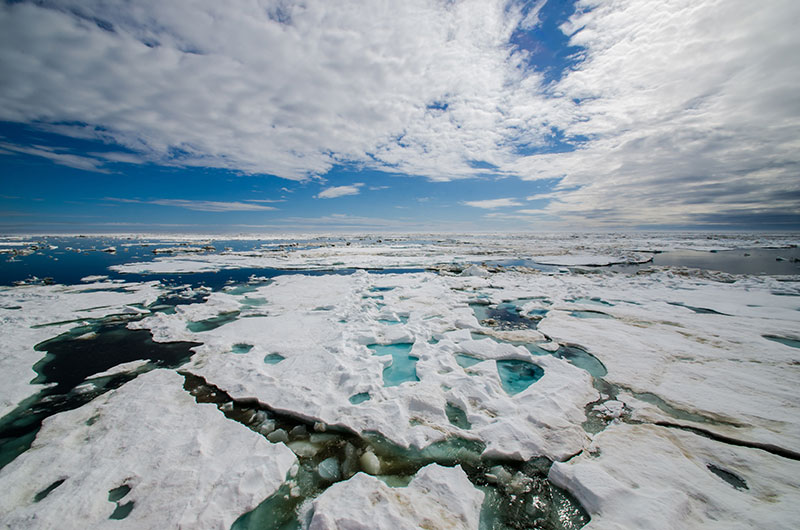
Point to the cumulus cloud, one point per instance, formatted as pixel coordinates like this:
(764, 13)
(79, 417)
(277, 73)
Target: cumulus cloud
(690, 109)
(490, 204)
(677, 110)
(339, 191)
(278, 87)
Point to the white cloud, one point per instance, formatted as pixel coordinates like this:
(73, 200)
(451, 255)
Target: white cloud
(692, 113)
(202, 206)
(689, 109)
(339, 191)
(494, 203)
(57, 156)
(280, 87)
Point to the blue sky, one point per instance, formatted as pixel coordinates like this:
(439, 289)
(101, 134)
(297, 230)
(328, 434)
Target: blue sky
(471, 115)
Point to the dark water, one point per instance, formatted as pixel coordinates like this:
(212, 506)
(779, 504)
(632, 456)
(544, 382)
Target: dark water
(68, 360)
(741, 261)
(67, 267)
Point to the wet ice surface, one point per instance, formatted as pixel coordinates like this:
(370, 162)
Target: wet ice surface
(669, 386)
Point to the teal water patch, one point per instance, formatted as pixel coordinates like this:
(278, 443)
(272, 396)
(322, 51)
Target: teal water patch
(456, 416)
(465, 361)
(526, 500)
(254, 302)
(122, 510)
(587, 300)
(212, 323)
(516, 375)
(794, 343)
(391, 322)
(274, 358)
(582, 359)
(361, 397)
(241, 348)
(404, 365)
(481, 311)
(731, 478)
(380, 289)
(45, 492)
(589, 314)
(117, 494)
(504, 316)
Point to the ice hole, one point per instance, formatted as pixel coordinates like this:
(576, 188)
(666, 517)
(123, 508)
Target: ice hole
(457, 416)
(212, 323)
(117, 494)
(274, 358)
(241, 347)
(404, 365)
(731, 478)
(45, 492)
(465, 361)
(794, 343)
(516, 375)
(361, 397)
(582, 359)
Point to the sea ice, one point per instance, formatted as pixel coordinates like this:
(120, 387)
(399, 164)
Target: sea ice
(326, 362)
(185, 464)
(645, 476)
(34, 313)
(437, 497)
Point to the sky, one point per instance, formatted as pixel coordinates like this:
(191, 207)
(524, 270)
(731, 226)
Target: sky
(417, 115)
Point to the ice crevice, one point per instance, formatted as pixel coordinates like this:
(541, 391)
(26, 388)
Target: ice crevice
(337, 466)
(770, 448)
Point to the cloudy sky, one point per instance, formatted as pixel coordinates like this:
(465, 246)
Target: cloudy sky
(362, 115)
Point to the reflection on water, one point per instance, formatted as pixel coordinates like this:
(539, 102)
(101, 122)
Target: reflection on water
(740, 261)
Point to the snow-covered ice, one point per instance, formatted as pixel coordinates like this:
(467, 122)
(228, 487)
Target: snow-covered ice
(651, 477)
(33, 313)
(667, 396)
(437, 497)
(186, 465)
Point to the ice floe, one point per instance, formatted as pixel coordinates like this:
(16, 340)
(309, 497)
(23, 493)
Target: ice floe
(32, 314)
(176, 464)
(646, 476)
(437, 497)
(669, 386)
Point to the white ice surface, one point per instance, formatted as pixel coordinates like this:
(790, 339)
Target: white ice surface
(322, 326)
(719, 366)
(186, 464)
(56, 307)
(655, 478)
(437, 498)
(403, 251)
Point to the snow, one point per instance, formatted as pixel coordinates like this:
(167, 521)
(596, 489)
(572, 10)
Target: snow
(420, 251)
(327, 362)
(437, 497)
(650, 477)
(187, 466)
(681, 347)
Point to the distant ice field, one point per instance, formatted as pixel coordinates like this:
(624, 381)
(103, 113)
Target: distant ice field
(555, 381)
